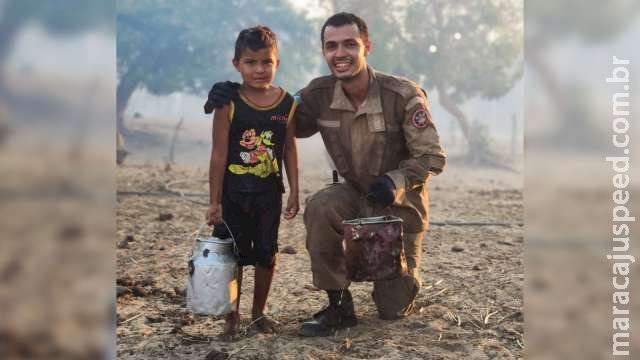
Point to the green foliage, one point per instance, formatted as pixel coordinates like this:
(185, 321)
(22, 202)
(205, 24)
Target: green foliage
(60, 17)
(168, 46)
(478, 45)
(485, 61)
(591, 20)
(57, 17)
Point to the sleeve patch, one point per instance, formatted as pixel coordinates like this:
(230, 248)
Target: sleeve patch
(421, 118)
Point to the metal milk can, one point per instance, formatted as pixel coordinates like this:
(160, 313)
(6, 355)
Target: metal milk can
(212, 287)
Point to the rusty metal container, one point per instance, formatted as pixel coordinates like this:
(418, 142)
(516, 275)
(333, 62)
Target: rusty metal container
(373, 248)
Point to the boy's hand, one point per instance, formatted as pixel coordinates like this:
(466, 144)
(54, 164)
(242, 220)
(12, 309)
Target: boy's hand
(214, 214)
(293, 206)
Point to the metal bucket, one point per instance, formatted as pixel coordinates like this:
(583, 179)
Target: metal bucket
(212, 287)
(373, 248)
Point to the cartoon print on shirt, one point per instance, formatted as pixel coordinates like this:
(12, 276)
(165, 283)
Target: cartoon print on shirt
(259, 157)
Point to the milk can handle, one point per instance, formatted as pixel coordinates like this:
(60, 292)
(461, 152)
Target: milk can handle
(235, 248)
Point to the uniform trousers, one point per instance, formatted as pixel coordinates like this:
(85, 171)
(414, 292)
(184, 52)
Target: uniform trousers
(323, 218)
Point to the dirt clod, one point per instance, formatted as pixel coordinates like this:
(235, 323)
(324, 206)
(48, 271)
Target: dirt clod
(215, 354)
(154, 319)
(71, 232)
(180, 291)
(165, 216)
(288, 250)
(122, 290)
(139, 291)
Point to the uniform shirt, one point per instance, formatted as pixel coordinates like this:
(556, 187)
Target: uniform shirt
(391, 133)
(256, 144)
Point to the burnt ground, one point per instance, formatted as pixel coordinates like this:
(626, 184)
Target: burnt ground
(470, 306)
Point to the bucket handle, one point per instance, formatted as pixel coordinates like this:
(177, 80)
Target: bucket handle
(199, 232)
(370, 207)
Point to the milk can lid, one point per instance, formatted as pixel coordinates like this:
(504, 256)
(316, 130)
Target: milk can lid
(214, 240)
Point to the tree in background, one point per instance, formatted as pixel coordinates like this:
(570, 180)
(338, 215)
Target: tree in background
(185, 46)
(462, 49)
(550, 23)
(58, 18)
(466, 49)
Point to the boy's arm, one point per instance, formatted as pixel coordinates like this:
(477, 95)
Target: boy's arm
(291, 166)
(219, 152)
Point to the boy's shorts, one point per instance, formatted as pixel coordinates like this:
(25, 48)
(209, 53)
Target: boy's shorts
(254, 219)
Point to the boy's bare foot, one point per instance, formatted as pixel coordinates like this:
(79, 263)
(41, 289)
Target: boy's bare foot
(231, 326)
(266, 325)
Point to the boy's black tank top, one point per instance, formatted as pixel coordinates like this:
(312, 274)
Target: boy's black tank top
(256, 144)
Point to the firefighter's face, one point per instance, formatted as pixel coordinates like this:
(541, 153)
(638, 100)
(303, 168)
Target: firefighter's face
(345, 51)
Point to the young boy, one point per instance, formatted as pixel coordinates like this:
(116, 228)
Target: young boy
(252, 136)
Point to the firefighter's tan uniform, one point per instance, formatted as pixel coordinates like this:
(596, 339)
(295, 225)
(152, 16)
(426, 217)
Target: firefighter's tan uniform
(390, 134)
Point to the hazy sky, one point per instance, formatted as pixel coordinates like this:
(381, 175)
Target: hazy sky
(93, 54)
(80, 56)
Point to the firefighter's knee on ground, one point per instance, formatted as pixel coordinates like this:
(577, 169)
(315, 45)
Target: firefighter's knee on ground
(413, 252)
(395, 298)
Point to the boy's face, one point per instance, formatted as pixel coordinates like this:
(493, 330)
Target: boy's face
(345, 51)
(258, 68)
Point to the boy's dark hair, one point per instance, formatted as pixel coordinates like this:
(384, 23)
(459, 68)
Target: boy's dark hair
(344, 18)
(255, 38)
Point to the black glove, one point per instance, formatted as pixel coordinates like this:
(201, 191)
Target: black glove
(382, 191)
(221, 94)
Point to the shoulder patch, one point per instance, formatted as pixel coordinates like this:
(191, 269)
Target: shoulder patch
(421, 118)
(407, 89)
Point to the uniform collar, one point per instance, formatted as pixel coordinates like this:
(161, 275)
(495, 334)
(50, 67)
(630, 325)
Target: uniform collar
(371, 104)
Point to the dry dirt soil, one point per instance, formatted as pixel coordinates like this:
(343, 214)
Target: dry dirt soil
(470, 306)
